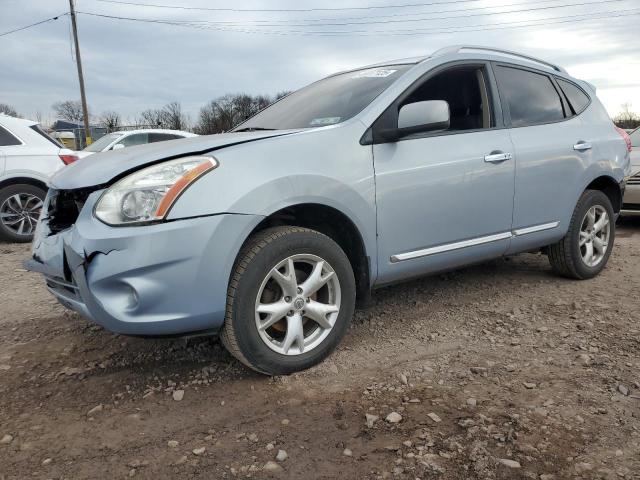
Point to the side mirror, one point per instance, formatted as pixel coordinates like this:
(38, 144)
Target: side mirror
(117, 146)
(423, 117)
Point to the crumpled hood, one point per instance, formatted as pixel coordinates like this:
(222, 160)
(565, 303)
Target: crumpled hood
(101, 168)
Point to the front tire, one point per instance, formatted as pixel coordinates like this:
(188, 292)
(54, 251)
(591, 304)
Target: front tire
(290, 300)
(20, 207)
(585, 249)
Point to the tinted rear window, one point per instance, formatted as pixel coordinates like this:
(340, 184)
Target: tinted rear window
(7, 139)
(531, 97)
(161, 137)
(38, 129)
(577, 98)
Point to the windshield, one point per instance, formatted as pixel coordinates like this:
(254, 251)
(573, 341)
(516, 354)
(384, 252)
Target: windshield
(328, 101)
(635, 137)
(103, 142)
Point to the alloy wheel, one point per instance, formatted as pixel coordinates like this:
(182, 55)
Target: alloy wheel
(297, 304)
(19, 213)
(595, 232)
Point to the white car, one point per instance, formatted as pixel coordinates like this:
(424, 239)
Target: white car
(28, 158)
(129, 138)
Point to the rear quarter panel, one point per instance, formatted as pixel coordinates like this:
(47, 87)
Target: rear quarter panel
(610, 155)
(35, 162)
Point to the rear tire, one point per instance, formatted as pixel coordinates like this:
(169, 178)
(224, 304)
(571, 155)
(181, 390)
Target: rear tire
(277, 322)
(20, 207)
(584, 251)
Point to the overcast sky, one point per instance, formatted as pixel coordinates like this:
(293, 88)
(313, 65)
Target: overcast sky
(131, 66)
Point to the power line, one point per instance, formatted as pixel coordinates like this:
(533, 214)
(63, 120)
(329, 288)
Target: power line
(313, 21)
(426, 31)
(423, 19)
(286, 10)
(34, 24)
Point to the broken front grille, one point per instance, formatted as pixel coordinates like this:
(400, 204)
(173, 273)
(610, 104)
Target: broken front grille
(64, 208)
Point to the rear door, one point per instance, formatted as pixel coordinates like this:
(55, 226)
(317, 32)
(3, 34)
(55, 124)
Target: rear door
(549, 154)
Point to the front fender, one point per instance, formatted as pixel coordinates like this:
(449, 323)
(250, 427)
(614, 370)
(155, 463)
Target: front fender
(263, 177)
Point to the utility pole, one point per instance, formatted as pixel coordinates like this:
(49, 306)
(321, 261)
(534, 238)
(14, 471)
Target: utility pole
(83, 98)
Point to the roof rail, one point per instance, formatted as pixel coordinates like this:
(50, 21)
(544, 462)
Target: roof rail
(458, 48)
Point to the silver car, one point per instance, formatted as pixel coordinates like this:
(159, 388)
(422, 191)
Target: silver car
(631, 200)
(269, 234)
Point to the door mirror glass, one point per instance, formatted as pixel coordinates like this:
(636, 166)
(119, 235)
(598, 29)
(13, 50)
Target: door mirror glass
(420, 117)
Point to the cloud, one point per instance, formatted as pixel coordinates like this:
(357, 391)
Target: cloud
(132, 66)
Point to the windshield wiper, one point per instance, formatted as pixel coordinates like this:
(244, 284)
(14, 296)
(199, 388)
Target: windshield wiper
(254, 129)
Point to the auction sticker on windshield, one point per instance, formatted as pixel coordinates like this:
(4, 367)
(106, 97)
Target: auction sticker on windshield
(316, 122)
(374, 73)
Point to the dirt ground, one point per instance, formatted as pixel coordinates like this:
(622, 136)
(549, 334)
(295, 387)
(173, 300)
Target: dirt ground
(498, 371)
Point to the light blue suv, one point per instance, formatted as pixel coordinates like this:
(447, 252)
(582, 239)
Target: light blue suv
(270, 233)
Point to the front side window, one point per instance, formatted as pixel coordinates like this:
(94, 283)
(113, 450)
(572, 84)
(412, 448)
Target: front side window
(531, 97)
(326, 102)
(7, 139)
(577, 98)
(465, 90)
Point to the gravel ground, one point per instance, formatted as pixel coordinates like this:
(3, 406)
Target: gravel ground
(498, 371)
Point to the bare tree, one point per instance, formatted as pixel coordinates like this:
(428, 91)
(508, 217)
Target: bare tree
(216, 116)
(224, 113)
(150, 118)
(69, 110)
(173, 117)
(283, 93)
(170, 116)
(8, 110)
(110, 120)
(627, 118)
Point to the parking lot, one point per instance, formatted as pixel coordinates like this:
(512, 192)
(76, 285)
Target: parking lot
(501, 370)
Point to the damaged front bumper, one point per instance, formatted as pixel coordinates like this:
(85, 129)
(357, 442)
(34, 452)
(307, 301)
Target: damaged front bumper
(161, 279)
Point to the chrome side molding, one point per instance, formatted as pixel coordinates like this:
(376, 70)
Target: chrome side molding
(536, 228)
(447, 247)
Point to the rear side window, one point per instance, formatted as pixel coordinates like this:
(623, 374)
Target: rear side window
(161, 137)
(36, 128)
(577, 98)
(7, 139)
(530, 97)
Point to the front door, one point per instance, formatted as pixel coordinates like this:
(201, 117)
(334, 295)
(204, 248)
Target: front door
(446, 198)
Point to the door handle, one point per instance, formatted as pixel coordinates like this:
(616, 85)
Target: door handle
(582, 146)
(497, 157)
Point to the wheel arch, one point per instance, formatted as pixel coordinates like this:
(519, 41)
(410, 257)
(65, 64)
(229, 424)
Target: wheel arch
(610, 187)
(7, 182)
(336, 225)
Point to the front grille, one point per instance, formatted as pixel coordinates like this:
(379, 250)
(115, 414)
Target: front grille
(635, 180)
(64, 208)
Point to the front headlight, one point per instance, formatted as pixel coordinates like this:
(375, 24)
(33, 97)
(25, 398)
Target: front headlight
(148, 194)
